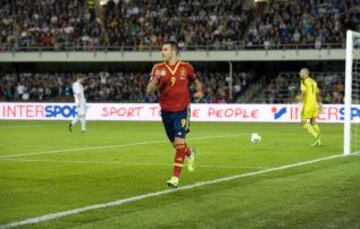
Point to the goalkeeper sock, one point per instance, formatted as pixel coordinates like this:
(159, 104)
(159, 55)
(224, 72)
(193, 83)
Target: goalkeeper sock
(311, 130)
(83, 123)
(316, 128)
(179, 159)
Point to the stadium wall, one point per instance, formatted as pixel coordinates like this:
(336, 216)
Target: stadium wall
(152, 56)
(277, 113)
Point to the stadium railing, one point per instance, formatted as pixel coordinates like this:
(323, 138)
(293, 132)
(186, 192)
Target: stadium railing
(71, 47)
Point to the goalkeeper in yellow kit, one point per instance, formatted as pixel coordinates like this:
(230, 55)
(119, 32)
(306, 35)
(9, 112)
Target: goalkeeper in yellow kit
(311, 105)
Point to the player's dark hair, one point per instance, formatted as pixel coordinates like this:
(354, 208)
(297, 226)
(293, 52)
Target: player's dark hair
(173, 44)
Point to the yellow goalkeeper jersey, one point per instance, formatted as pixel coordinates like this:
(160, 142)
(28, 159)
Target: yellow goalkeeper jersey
(310, 89)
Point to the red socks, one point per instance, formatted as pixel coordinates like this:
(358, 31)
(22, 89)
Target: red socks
(181, 152)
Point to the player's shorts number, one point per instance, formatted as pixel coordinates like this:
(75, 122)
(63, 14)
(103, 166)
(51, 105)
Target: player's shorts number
(183, 122)
(173, 80)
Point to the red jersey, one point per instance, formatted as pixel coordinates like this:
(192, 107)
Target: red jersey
(174, 84)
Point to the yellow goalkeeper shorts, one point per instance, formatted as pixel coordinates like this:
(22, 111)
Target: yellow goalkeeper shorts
(309, 112)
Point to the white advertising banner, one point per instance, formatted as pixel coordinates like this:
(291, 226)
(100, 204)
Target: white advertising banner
(151, 112)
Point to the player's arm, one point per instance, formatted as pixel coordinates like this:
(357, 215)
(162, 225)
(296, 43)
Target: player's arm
(78, 96)
(302, 92)
(154, 80)
(302, 96)
(198, 89)
(197, 84)
(318, 96)
(319, 99)
(151, 87)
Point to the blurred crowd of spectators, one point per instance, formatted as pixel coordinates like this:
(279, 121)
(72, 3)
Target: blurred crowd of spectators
(53, 23)
(101, 86)
(217, 85)
(48, 23)
(111, 87)
(285, 88)
(140, 24)
(190, 22)
(131, 87)
(310, 22)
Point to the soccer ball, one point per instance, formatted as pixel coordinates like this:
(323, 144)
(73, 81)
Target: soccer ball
(255, 138)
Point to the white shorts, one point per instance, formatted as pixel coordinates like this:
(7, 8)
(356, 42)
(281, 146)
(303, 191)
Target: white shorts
(81, 110)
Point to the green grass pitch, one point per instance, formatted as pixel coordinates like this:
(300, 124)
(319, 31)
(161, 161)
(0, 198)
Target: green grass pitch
(45, 169)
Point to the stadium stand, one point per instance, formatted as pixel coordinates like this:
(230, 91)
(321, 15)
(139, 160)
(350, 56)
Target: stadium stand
(304, 23)
(195, 24)
(109, 87)
(61, 24)
(285, 88)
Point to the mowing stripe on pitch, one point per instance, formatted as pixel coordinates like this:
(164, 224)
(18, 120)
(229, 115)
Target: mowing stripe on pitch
(115, 146)
(18, 126)
(120, 163)
(160, 193)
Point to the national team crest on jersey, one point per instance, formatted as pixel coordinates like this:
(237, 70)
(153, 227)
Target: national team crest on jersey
(160, 72)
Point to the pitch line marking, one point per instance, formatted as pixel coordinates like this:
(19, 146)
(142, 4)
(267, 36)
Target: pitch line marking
(113, 146)
(119, 202)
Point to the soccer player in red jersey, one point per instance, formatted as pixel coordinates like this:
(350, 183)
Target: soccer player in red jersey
(171, 78)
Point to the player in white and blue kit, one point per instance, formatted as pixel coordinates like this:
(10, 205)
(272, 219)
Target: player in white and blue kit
(80, 101)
